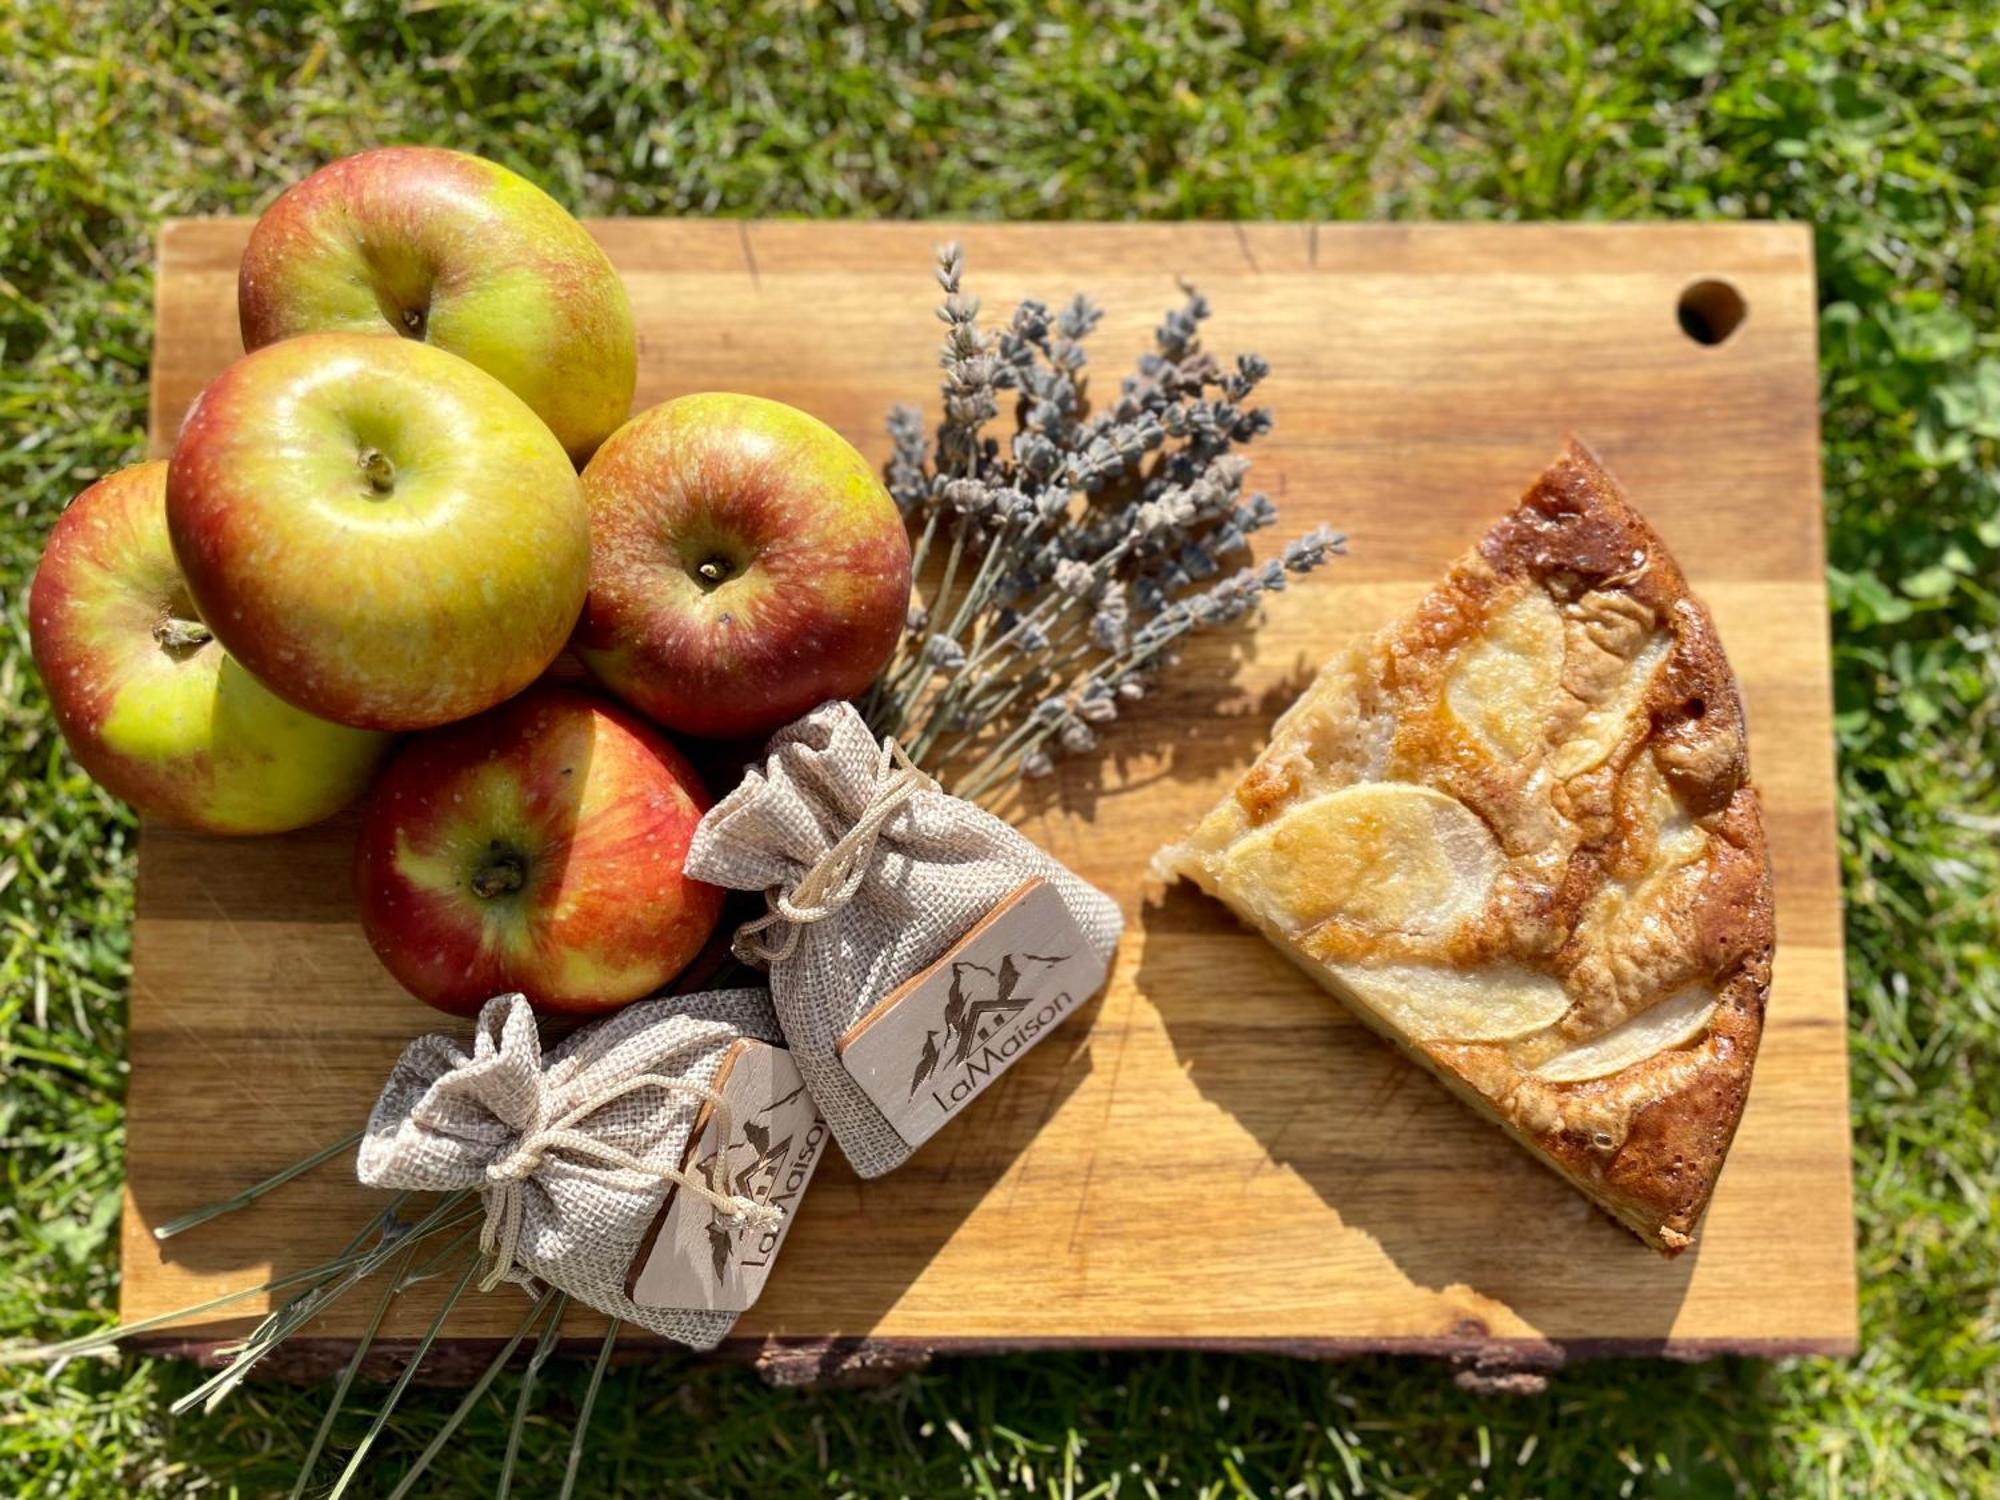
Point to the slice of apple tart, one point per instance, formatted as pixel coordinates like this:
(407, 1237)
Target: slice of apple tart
(1514, 832)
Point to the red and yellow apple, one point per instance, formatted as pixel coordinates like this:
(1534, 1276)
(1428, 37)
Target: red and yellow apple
(455, 251)
(384, 534)
(746, 565)
(538, 848)
(151, 705)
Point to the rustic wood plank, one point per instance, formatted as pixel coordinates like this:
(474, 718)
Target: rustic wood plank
(1212, 1114)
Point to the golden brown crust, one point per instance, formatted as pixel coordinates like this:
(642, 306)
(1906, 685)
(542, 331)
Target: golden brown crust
(1564, 686)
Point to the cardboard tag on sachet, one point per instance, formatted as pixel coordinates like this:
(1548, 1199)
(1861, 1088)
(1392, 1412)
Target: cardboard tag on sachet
(941, 1038)
(693, 1257)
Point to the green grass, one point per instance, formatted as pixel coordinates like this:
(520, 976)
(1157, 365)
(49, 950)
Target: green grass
(1875, 123)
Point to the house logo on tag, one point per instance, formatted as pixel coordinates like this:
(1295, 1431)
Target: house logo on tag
(939, 1039)
(764, 1170)
(980, 1004)
(776, 1138)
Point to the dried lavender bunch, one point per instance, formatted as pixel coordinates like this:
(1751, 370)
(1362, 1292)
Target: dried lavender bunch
(1079, 551)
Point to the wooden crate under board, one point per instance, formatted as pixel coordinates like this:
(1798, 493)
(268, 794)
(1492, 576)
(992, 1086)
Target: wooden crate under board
(1213, 1153)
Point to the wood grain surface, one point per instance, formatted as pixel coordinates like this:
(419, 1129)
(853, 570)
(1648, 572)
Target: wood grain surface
(1212, 1153)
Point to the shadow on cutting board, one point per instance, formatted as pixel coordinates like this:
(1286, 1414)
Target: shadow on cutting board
(859, 1245)
(1191, 727)
(1450, 1201)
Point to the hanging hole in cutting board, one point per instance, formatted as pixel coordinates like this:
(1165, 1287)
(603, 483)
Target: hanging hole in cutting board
(1710, 311)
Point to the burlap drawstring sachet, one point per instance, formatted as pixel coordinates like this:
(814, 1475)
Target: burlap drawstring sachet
(873, 874)
(575, 1151)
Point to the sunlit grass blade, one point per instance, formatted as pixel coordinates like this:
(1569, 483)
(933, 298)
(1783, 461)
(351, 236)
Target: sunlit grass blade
(544, 1347)
(271, 1334)
(379, 1225)
(104, 1337)
(359, 1457)
(473, 1396)
(87, 1343)
(577, 1442)
(252, 1193)
(410, 1277)
(338, 1400)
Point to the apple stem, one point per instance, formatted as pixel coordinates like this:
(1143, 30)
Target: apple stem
(376, 468)
(182, 635)
(502, 876)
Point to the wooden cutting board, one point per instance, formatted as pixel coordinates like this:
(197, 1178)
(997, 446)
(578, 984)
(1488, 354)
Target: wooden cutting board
(1213, 1153)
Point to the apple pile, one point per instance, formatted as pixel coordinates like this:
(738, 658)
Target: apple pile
(373, 525)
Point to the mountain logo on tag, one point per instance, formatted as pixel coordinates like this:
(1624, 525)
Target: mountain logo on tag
(776, 1139)
(939, 1039)
(755, 1166)
(977, 1008)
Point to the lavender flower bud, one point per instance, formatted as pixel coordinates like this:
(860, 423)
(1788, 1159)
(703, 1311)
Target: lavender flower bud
(1079, 318)
(1228, 600)
(1312, 549)
(1067, 355)
(906, 428)
(1036, 455)
(1179, 330)
(1031, 322)
(1110, 624)
(1076, 737)
(1098, 462)
(1199, 369)
(967, 496)
(916, 618)
(1036, 764)
(1168, 623)
(908, 485)
(1074, 579)
(950, 264)
(1253, 424)
(944, 653)
(1158, 520)
(1095, 704)
(1138, 437)
(1010, 504)
(1197, 560)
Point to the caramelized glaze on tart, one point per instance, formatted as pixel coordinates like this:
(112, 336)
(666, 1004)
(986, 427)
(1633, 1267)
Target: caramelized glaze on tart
(1514, 832)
